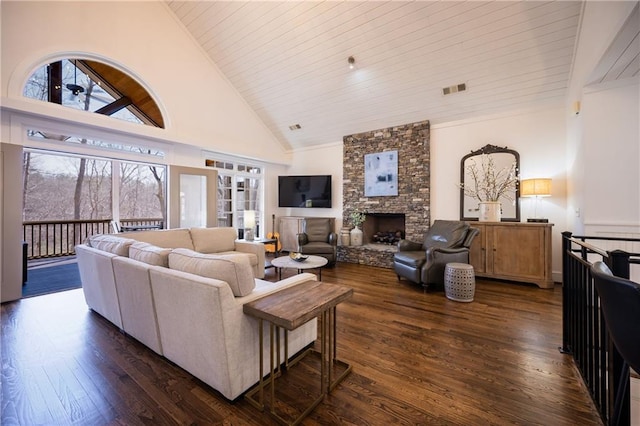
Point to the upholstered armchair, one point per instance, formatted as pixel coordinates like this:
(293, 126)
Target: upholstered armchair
(445, 241)
(318, 238)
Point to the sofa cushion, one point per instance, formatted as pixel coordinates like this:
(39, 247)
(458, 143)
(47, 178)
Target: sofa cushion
(167, 238)
(318, 229)
(150, 254)
(213, 240)
(234, 269)
(253, 259)
(111, 244)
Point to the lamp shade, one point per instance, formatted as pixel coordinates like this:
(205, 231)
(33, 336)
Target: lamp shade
(249, 218)
(539, 187)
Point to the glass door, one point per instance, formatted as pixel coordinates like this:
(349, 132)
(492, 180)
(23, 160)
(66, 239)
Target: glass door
(193, 197)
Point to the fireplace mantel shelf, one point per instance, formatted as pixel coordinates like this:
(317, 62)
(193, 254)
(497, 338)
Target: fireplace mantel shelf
(377, 247)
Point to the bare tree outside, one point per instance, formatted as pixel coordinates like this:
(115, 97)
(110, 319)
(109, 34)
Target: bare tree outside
(142, 191)
(54, 185)
(68, 197)
(52, 182)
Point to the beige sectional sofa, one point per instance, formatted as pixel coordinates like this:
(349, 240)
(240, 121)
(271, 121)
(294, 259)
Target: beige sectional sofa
(180, 292)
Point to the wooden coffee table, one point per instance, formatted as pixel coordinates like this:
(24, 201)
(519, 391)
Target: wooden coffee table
(289, 309)
(312, 262)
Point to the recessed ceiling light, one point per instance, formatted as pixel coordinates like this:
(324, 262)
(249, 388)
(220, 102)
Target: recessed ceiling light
(294, 127)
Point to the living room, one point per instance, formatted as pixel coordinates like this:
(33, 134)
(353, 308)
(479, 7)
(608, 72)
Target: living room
(552, 140)
(586, 149)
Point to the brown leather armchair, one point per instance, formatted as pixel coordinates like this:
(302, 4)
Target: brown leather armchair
(318, 238)
(446, 241)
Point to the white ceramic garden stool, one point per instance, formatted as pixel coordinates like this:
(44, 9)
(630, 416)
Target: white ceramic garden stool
(459, 282)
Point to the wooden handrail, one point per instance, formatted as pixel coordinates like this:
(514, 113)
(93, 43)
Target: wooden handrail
(584, 332)
(53, 238)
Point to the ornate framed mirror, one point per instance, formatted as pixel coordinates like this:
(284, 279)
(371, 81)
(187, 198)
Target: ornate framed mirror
(502, 159)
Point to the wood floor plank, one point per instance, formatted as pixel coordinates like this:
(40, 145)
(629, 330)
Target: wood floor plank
(418, 358)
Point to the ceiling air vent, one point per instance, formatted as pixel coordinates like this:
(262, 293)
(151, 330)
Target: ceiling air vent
(294, 127)
(454, 89)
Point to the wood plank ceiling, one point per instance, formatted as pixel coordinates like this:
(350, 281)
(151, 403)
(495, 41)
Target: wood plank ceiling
(289, 60)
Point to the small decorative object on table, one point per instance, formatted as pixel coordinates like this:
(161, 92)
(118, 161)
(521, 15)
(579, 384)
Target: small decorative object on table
(298, 257)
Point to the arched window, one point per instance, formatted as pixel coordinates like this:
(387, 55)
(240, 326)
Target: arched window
(94, 86)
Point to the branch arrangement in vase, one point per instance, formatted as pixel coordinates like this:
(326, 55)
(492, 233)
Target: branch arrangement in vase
(488, 183)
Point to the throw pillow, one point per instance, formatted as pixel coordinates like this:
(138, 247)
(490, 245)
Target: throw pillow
(168, 238)
(112, 244)
(150, 254)
(213, 240)
(234, 269)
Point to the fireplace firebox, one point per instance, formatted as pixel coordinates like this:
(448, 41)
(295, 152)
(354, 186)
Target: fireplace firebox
(384, 228)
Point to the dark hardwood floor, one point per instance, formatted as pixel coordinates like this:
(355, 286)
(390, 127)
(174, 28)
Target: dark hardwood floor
(417, 359)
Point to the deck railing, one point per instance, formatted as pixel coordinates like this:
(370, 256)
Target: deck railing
(585, 334)
(59, 237)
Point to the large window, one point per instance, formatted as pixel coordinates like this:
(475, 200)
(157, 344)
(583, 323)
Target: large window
(66, 186)
(95, 87)
(240, 189)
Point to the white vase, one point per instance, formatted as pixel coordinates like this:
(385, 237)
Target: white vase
(356, 236)
(490, 211)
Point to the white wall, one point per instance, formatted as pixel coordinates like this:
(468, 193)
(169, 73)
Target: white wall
(611, 141)
(538, 136)
(611, 151)
(201, 107)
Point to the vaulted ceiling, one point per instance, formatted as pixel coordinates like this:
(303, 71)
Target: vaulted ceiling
(289, 60)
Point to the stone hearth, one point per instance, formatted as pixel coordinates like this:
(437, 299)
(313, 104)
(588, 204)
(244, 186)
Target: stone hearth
(380, 255)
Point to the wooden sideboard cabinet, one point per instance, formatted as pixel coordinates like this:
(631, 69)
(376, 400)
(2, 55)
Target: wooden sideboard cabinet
(289, 227)
(513, 251)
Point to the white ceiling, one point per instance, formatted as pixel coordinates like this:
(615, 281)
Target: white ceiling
(289, 59)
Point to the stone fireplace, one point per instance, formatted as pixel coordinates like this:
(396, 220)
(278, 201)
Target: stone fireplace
(408, 211)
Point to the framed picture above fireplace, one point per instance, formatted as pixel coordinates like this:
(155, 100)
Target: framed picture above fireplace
(381, 174)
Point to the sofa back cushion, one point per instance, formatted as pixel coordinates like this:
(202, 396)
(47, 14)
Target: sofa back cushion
(234, 269)
(318, 229)
(166, 238)
(446, 234)
(111, 244)
(150, 254)
(213, 240)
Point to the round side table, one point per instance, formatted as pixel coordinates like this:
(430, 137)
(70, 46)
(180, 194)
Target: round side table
(459, 282)
(312, 262)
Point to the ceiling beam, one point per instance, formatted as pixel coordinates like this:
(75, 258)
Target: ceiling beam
(114, 106)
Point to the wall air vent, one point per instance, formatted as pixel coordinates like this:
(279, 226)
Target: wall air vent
(454, 89)
(294, 127)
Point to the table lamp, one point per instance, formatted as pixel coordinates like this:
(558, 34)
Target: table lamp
(538, 187)
(249, 224)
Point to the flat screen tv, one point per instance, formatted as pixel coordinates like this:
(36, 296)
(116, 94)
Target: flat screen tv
(304, 191)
